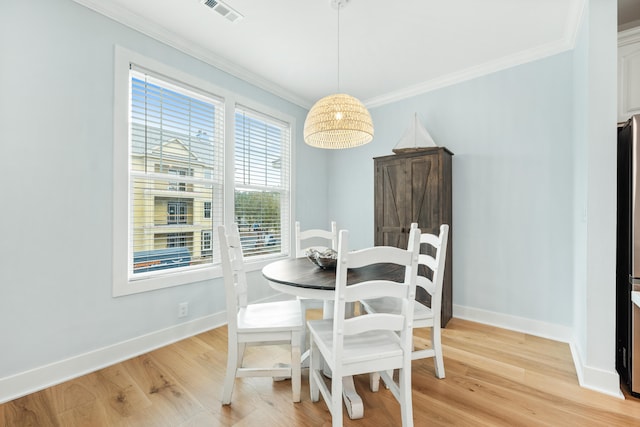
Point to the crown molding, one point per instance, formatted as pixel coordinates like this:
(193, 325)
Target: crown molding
(629, 36)
(471, 73)
(566, 43)
(629, 26)
(136, 22)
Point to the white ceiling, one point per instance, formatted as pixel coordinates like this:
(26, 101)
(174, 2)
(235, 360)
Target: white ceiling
(388, 49)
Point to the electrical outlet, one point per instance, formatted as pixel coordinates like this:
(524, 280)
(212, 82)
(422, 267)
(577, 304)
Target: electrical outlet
(183, 309)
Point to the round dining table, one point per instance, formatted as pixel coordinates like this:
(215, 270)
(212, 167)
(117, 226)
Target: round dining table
(302, 278)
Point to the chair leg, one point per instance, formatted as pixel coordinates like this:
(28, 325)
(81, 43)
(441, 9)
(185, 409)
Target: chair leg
(374, 381)
(230, 376)
(295, 367)
(336, 400)
(390, 372)
(406, 405)
(303, 336)
(241, 348)
(436, 343)
(314, 366)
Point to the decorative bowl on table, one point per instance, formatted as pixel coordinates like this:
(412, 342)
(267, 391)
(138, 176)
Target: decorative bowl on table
(324, 259)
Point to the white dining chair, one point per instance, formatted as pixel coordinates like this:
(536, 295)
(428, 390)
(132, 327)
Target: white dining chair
(255, 324)
(318, 239)
(370, 342)
(433, 253)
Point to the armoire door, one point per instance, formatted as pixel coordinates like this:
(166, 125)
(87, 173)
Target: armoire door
(424, 187)
(391, 197)
(406, 191)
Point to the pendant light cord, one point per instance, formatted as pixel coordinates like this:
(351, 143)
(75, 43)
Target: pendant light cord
(339, 7)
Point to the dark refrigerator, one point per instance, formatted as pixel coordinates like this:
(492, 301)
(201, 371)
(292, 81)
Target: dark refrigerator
(628, 256)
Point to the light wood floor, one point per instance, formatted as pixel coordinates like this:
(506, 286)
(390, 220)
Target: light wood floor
(494, 377)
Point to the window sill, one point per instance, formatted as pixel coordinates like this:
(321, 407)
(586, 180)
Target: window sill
(124, 286)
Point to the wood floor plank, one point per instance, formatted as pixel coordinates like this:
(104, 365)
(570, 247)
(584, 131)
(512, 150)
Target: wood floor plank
(119, 392)
(494, 377)
(91, 413)
(32, 410)
(192, 365)
(166, 394)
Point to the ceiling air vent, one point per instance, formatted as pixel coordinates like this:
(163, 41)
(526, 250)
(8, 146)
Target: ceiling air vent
(223, 9)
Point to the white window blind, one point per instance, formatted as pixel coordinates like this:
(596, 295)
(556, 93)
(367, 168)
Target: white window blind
(262, 182)
(175, 175)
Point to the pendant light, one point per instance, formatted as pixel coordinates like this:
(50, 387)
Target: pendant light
(338, 120)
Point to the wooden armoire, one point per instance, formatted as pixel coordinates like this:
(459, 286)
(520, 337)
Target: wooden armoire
(415, 186)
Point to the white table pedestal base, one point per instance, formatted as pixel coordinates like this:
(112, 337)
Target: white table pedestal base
(352, 400)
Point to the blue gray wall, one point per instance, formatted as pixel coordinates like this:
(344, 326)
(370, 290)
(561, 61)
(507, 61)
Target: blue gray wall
(511, 135)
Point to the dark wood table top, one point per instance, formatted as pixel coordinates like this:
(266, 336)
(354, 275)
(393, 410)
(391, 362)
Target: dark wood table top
(302, 273)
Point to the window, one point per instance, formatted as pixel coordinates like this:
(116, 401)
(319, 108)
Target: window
(175, 185)
(177, 212)
(205, 242)
(178, 240)
(178, 184)
(262, 145)
(169, 128)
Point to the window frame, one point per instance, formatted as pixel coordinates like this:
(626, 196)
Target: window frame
(122, 284)
(267, 124)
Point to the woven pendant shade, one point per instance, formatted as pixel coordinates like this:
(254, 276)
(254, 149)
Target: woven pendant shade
(338, 121)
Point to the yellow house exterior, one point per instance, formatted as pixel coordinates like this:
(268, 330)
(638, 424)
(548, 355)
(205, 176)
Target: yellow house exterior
(172, 197)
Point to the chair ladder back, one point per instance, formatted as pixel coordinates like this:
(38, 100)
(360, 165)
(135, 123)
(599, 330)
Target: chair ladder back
(426, 284)
(339, 305)
(441, 256)
(373, 322)
(404, 291)
(439, 261)
(429, 261)
(375, 289)
(431, 264)
(235, 279)
(380, 255)
(331, 236)
(436, 264)
(240, 274)
(430, 239)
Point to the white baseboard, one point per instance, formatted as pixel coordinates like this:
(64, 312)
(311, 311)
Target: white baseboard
(607, 382)
(595, 379)
(27, 382)
(515, 323)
